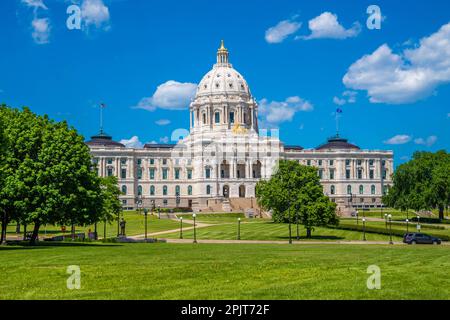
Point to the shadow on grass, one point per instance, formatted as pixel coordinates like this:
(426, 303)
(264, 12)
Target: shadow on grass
(25, 245)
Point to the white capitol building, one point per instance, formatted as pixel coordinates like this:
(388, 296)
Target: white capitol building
(216, 165)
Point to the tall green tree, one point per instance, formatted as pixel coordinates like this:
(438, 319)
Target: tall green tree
(50, 176)
(422, 183)
(294, 191)
(112, 206)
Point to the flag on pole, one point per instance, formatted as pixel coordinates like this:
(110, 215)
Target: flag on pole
(102, 105)
(338, 110)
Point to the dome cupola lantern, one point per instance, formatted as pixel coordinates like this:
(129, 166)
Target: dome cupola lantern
(222, 55)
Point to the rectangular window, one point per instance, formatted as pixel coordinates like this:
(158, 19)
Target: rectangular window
(347, 162)
(123, 173)
(164, 162)
(347, 174)
(110, 172)
(189, 174)
(139, 162)
(231, 117)
(208, 173)
(139, 173)
(152, 173)
(371, 174)
(360, 174)
(165, 174)
(359, 162)
(217, 117)
(152, 161)
(109, 161)
(331, 174)
(308, 162)
(177, 173)
(123, 162)
(331, 162)
(371, 162)
(321, 174)
(320, 162)
(384, 174)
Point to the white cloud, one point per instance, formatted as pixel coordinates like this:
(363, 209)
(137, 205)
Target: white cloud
(36, 4)
(41, 30)
(406, 77)
(399, 139)
(162, 122)
(327, 26)
(347, 97)
(133, 142)
(282, 30)
(171, 95)
(276, 112)
(164, 139)
(94, 12)
(426, 142)
(40, 26)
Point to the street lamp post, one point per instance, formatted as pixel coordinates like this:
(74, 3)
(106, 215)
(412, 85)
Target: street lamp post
(195, 230)
(418, 223)
(386, 219)
(181, 227)
(290, 229)
(159, 212)
(364, 228)
(357, 218)
(390, 229)
(298, 231)
(239, 229)
(407, 225)
(145, 214)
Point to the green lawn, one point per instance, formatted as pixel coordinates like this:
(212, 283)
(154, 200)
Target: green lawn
(135, 226)
(207, 271)
(266, 230)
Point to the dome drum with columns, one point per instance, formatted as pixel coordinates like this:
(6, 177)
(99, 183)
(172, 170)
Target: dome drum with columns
(217, 166)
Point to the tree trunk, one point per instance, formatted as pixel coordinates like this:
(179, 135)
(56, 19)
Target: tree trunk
(24, 232)
(308, 233)
(441, 213)
(4, 226)
(18, 228)
(35, 234)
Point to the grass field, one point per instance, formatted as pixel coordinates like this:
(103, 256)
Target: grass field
(135, 226)
(206, 271)
(267, 230)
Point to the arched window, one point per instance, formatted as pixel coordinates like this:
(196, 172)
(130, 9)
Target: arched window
(204, 118)
(190, 190)
(349, 189)
(217, 117)
(361, 189)
(208, 189)
(372, 189)
(164, 190)
(139, 190)
(124, 189)
(231, 117)
(333, 190)
(152, 190)
(177, 190)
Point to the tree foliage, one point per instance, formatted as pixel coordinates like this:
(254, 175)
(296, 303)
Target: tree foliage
(294, 192)
(422, 183)
(49, 176)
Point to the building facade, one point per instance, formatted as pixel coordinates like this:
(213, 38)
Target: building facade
(216, 164)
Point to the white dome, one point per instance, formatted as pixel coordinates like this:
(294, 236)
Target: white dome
(223, 80)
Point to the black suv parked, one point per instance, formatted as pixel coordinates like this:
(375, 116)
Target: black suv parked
(420, 238)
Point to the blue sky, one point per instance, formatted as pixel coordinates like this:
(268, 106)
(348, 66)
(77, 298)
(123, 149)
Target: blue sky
(302, 60)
